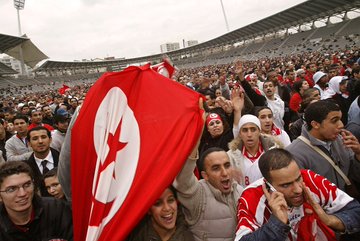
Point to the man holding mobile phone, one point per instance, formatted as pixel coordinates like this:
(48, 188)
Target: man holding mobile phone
(293, 204)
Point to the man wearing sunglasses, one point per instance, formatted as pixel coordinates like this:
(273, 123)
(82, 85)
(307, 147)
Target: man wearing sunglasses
(26, 216)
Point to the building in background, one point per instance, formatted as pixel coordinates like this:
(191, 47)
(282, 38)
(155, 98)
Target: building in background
(14, 64)
(190, 43)
(169, 47)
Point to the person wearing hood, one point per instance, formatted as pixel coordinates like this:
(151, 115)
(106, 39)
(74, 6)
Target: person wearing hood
(338, 92)
(321, 82)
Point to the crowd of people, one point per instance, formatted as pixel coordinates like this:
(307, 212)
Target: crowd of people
(279, 157)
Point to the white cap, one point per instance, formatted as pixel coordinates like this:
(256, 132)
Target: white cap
(249, 119)
(318, 75)
(300, 71)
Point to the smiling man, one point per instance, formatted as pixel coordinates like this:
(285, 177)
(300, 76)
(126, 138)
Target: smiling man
(26, 216)
(44, 158)
(293, 204)
(324, 130)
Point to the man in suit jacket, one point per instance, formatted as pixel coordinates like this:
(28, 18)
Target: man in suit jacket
(44, 158)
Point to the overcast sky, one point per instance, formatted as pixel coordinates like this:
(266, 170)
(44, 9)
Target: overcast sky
(84, 29)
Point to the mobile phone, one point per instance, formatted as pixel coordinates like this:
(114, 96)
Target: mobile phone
(269, 187)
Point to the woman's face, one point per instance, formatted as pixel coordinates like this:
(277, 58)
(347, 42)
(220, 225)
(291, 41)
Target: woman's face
(164, 212)
(215, 128)
(305, 85)
(10, 127)
(266, 120)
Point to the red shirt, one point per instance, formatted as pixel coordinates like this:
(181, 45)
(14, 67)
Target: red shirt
(295, 102)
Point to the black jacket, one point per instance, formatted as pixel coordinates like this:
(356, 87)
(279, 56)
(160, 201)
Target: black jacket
(39, 180)
(52, 219)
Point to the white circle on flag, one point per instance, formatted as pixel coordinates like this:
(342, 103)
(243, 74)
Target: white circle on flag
(114, 182)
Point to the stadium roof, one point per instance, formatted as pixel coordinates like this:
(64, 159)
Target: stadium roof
(4, 69)
(10, 45)
(8, 42)
(311, 10)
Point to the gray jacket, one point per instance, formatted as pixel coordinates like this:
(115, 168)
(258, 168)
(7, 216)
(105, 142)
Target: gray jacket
(307, 158)
(16, 150)
(210, 214)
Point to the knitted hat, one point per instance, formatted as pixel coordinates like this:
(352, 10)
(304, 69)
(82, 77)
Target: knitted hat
(249, 119)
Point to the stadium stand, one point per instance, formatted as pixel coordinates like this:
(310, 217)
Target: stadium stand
(274, 36)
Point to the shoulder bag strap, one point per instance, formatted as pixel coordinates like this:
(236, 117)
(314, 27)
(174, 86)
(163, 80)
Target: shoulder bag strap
(317, 149)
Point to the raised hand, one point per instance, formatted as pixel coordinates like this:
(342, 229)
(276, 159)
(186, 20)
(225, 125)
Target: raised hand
(277, 204)
(350, 141)
(328, 219)
(239, 70)
(237, 98)
(225, 104)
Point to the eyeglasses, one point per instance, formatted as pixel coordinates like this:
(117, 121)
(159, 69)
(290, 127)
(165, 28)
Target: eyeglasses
(27, 186)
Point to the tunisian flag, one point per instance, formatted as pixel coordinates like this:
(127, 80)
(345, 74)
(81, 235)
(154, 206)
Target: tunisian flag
(63, 89)
(131, 138)
(165, 68)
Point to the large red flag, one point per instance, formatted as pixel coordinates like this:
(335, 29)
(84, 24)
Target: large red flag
(131, 138)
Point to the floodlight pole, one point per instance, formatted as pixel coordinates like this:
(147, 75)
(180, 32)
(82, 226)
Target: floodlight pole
(226, 22)
(19, 5)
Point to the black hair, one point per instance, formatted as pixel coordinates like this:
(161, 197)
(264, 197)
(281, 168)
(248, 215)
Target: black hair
(14, 167)
(257, 110)
(201, 162)
(297, 85)
(22, 117)
(319, 110)
(51, 173)
(274, 159)
(38, 128)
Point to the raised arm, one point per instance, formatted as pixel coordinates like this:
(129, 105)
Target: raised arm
(237, 99)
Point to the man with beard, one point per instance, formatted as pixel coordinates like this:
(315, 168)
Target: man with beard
(48, 117)
(211, 202)
(293, 204)
(321, 82)
(44, 158)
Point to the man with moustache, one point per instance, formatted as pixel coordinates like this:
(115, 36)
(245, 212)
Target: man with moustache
(293, 204)
(211, 202)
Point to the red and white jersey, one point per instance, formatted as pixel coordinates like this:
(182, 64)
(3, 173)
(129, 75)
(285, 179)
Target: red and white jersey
(251, 165)
(254, 211)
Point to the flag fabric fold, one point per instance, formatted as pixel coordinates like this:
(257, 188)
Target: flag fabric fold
(165, 68)
(131, 138)
(63, 89)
